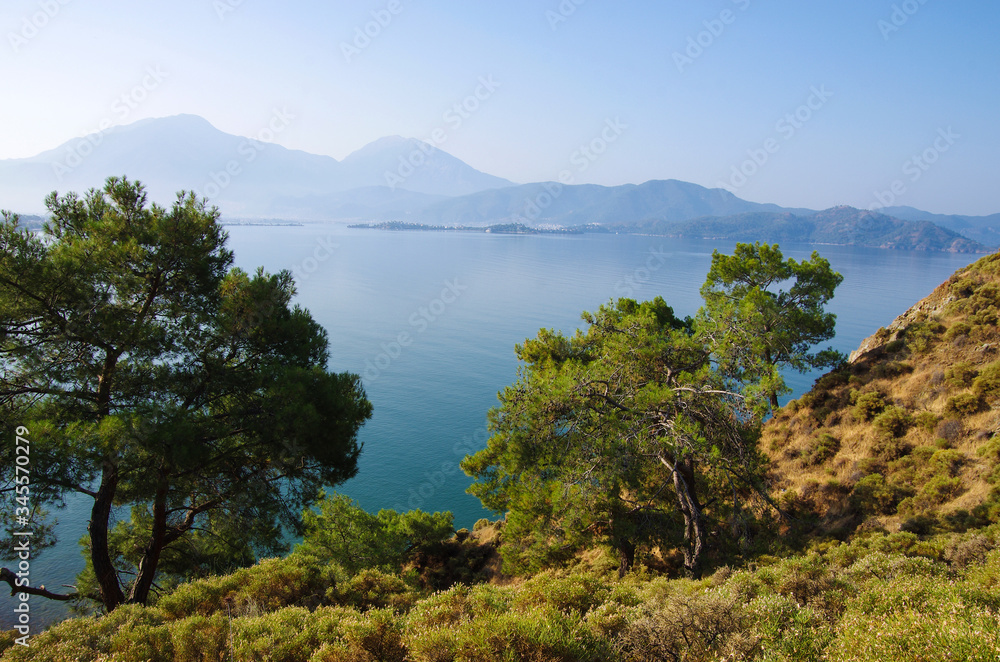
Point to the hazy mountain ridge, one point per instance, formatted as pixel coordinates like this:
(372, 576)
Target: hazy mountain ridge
(839, 225)
(407, 180)
(984, 229)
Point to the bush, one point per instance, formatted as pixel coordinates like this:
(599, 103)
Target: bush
(873, 496)
(536, 634)
(199, 638)
(920, 336)
(963, 288)
(987, 384)
(958, 329)
(376, 636)
(373, 589)
(961, 374)
(480, 524)
(684, 628)
(867, 405)
(926, 420)
(822, 448)
(893, 422)
(345, 533)
(269, 585)
(574, 593)
(963, 404)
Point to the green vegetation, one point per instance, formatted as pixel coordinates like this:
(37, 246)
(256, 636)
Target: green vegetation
(356, 539)
(156, 379)
(650, 513)
(623, 434)
(882, 597)
(754, 331)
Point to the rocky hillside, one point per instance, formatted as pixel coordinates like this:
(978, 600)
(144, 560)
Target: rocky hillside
(903, 436)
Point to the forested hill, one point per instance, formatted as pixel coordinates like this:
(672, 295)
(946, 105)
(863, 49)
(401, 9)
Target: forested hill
(839, 225)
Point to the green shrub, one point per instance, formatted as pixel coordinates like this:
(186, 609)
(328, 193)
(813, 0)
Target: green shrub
(271, 584)
(940, 489)
(893, 422)
(964, 287)
(920, 336)
(822, 448)
(378, 635)
(873, 496)
(200, 638)
(432, 645)
(576, 593)
(341, 531)
(926, 420)
(536, 634)
(695, 627)
(987, 384)
(963, 404)
(373, 589)
(867, 404)
(961, 374)
(985, 316)
(832, 380)
(956, 330)
(947, 462)
(480, 524)
(287, 635)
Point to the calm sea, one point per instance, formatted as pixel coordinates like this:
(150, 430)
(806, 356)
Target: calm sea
(430, 320)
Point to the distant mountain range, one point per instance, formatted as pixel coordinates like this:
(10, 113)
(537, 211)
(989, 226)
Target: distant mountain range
(404, 180)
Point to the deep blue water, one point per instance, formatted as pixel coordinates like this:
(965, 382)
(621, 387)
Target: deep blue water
(431, 319)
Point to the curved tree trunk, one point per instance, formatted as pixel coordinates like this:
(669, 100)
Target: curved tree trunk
(100, 556)
(151, 555)
(626, 557)
(694, 521)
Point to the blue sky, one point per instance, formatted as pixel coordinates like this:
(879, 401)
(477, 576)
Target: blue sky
(800, 103)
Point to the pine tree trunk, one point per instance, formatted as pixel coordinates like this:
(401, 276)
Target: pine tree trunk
(151, 555)
(100, 556)
(626, 557)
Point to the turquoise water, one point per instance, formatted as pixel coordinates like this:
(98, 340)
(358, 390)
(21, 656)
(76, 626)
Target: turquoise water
(430, 321)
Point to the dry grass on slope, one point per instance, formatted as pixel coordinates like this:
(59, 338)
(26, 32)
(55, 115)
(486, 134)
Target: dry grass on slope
(904, 436)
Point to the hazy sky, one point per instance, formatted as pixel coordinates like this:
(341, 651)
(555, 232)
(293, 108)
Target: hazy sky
(799, 102)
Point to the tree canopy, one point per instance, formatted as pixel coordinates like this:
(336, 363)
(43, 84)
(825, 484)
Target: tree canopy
(157, 379)
(622, 434)
(641, 430)
(754, 329)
